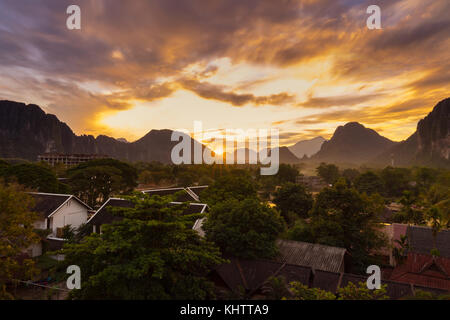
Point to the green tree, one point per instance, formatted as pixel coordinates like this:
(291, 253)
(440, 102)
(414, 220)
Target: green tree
(94, 181)
(246, 228)
(344, 218)
(33, 176)
(361, 292)
(148, 254)
(350, 175)
(286, 173)
(230, 187)
(395, 181)
(16, 235)
(369, 183)
(303, 292)
(328, 172)
(293, 201)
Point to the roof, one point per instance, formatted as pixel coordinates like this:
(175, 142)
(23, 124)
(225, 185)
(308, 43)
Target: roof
(185, 196)
(48, 203)
(420, 240)
(313, 255)
(424, 270)
(197, 190)
(198, 226)
(253, 274)
(103, 216)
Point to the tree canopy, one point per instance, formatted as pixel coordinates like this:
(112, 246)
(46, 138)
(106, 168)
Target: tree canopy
(293, 201)
(246, 228)
(16, 235)
(148, 254)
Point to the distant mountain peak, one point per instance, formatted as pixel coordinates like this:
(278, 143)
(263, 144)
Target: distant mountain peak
(353, 143)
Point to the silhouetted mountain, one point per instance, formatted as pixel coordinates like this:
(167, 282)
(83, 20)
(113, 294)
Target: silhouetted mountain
(429, 145)
(308, 147)
(27, 131)
(353, 143)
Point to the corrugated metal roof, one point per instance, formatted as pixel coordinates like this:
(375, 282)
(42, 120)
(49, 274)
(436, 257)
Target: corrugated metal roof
(312, 255)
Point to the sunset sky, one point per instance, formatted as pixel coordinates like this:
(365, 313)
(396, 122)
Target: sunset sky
(302, 66)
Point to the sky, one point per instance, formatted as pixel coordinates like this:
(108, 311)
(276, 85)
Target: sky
(302, 66)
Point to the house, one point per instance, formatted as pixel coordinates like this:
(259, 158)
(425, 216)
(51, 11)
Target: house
(57, 211)
(251, 278)
(312, 255)
(424, 270)
(105, 216)
(421, 240)
(188, 194)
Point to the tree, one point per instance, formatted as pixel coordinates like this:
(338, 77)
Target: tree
(16, 235)
(286, 173)
(344, 218)
(94, 181)
(230, 187)
(400, 252)
(328, 172)
(395, 181)
(303, 292)
(350, 175)
(409, 212)
(151, 253)
(369, 183)
(34, 176)
(293, 201)
(361, 292)
(436, 225)
(246, 229)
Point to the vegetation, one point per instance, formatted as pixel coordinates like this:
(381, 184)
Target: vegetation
(94, 181)
(246, 229)
(293, 201)
(16, 235)
(149, 254)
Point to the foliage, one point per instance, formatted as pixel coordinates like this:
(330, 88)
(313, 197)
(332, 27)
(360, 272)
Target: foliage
(34, 176)
(148, 254)
(400, 252)
(303, 292)
(94, 181)
(293, 201)
(361, 292)
(230, 187)
(344, 218)
(16, 235)
(369, 183)
(395, 181)
(246, 228)
(328, 172)
(350, 175)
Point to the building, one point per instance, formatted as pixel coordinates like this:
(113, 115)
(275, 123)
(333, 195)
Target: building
(312, 255)
(57, 211)
(68, 159)
(424, 270)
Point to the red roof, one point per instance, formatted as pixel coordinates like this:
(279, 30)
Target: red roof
(424, 270)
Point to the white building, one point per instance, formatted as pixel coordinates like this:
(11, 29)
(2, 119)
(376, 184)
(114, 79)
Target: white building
(57, 211)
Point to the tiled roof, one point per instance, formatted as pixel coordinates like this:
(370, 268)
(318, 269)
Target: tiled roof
(312, 255)
(198, 190)
(421, 240)
(424, 270)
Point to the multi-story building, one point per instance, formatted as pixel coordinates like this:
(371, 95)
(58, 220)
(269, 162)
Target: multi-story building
(68, 159)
